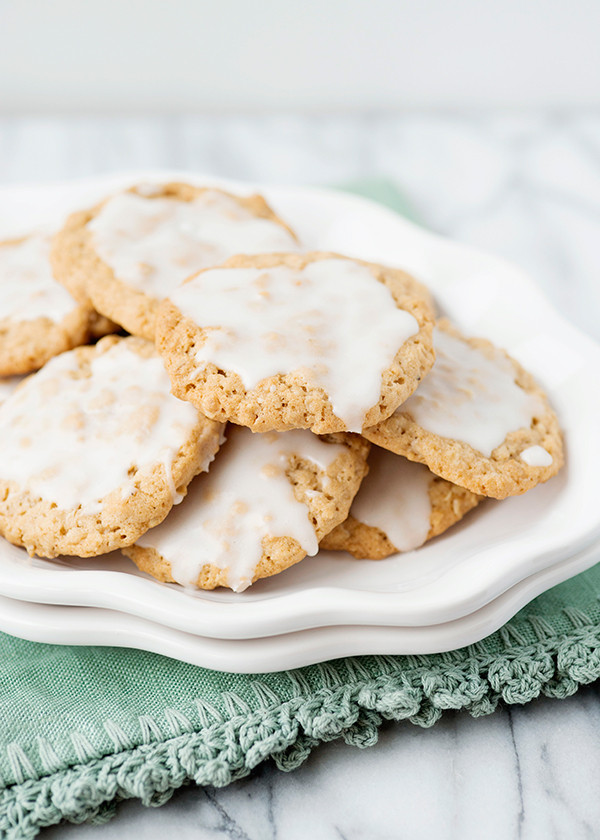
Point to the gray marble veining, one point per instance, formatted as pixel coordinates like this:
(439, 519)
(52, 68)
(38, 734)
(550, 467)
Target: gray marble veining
(525, 186)
(524, 773)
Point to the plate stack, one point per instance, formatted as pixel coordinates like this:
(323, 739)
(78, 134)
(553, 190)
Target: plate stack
(451, 592)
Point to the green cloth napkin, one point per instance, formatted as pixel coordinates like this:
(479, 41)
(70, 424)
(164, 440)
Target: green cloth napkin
(83, 727)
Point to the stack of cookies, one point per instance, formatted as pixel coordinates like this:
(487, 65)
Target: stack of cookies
(218, 402)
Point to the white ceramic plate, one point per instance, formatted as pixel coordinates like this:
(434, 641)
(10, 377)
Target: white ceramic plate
(93, 626)
(495, 548)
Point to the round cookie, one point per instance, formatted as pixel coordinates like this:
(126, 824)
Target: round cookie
(94, 450)
(38, 318)
(290, 341)
(478, 420)
(127, 253)
(400, 505)
(264, 505)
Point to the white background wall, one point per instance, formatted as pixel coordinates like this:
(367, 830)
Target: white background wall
(320, 54)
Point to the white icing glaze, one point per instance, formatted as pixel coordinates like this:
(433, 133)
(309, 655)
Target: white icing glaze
(333, 322)
(245, 497)
(394, 498)
(470, 398)
(27, 288)
(153, 244)
(536, 456)
(72, 440)
(8, 385)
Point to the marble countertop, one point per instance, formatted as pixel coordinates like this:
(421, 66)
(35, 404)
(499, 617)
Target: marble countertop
(524, 186)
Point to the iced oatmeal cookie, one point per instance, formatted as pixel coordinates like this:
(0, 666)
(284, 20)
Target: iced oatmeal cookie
(478, 420)
(263, 506)
(38, 317)
(94, 450)
(290, 341)
(130, 251)
(400, 505)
